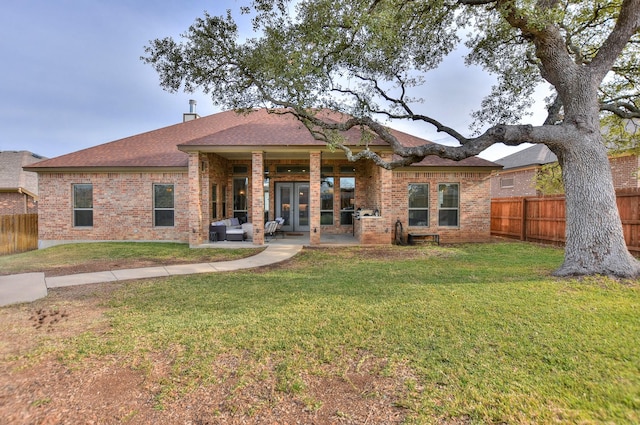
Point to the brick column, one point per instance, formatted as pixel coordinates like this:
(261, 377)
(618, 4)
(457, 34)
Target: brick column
(195, 201)
(257, 197)
(386, 201)
(205, 195)
(314, 197)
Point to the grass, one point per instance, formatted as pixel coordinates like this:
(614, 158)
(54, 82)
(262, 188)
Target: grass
(62, 256)
(486, 334)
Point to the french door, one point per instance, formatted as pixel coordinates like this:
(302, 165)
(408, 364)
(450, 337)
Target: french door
(292, 204)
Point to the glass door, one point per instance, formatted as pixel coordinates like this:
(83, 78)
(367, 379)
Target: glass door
(301, 220)
(292, 204)
(284, 200)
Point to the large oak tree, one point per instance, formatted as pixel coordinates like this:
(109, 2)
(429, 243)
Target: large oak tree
(367, 58)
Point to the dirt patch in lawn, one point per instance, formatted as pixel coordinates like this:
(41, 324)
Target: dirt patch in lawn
(103, 265)
(39, 385)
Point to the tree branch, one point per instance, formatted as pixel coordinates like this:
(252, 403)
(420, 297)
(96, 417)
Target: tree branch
(624, 110)
(511, 135)
(627, 25)
(476, 2)
(553, 112)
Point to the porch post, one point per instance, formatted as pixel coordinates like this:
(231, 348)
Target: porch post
(315, 160)
(257, 197)
(386, 200)
(195, 201)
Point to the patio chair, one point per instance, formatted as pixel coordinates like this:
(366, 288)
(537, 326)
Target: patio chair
(270, 230)
(279, 230)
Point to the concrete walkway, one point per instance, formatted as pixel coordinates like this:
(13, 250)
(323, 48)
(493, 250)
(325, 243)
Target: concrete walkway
(29, 287)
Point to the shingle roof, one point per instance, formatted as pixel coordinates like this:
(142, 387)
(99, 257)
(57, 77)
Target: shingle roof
(534, 155)
(162, 147)
(12, 176)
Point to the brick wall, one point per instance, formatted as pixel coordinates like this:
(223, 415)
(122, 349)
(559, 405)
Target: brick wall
(474, 209)
(17, 203)
(625, 171)
(122, 207)
(123, 202)
(523, 183)
(373, 230)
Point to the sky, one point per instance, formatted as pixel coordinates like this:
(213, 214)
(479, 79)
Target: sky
(71, 75)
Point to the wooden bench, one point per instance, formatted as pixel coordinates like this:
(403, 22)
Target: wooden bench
(414, 237)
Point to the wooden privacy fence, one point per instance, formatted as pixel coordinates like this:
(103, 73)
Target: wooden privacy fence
(542, 219)
(18, 233)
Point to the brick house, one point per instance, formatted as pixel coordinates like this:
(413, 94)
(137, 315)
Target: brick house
(171, 183)
(625, 169)
(18, 188)
(517, 178)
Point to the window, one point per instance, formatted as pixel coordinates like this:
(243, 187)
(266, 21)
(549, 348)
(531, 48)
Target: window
(448, 204)
(506, 182)
(347, 199)
(214, 201)
(83, 205)
(326, 200)
(240, 197)
(224, 201)
(267, 198)
(240, 169)
(163, 205)
(418, 204)
(347, 170)
(292, 169)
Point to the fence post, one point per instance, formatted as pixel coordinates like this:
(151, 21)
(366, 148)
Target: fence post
(523, 220)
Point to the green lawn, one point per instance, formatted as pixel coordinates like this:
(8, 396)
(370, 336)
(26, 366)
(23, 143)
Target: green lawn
(479, 332)
(62, 256)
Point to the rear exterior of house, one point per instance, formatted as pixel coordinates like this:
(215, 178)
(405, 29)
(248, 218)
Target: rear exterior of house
(171, 184)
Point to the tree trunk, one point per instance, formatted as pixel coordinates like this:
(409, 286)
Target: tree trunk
(594, 239)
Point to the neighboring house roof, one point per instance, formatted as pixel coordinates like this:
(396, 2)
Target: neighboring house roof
(12, 176)
(167, 147)
(535, 155)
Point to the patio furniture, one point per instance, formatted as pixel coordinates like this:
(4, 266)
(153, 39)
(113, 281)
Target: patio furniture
(236, 235)
(221, 229)
(414, 237)
(280, 222)
(270, 230)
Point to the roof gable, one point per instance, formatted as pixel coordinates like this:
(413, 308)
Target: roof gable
(535, 155)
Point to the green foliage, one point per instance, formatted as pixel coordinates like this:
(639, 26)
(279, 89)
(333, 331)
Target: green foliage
(363, 56)
(330, 54)
(548, 179)
(621, 136)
